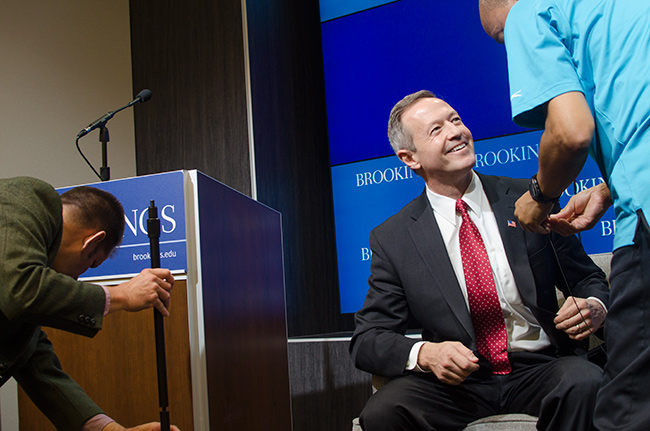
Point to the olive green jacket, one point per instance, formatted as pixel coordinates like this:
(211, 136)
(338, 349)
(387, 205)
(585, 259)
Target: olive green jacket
(32, 294)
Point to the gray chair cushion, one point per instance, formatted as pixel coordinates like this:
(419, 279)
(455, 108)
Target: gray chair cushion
(511, 422)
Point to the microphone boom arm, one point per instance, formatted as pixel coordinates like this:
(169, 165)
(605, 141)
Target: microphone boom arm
(105, 171)
(142, 96)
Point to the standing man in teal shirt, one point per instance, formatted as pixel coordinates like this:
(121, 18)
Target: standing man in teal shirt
(580, 69)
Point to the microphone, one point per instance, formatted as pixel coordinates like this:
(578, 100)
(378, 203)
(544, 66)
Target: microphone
(142, 97)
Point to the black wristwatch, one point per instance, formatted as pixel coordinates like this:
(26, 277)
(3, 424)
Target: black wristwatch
(536, 193)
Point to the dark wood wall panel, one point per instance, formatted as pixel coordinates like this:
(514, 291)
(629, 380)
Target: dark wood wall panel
(292, 155)
(327, 391)
(190, 55)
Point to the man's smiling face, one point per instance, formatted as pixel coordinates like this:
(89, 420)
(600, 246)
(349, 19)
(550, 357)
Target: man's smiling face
(444, 145)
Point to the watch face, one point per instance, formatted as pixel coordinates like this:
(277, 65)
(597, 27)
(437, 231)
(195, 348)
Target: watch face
(533, 188)
(536, 192)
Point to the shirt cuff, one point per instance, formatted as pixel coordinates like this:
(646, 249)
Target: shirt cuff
(412, 363)
(107, 304)
(96, 423)
(600, 302)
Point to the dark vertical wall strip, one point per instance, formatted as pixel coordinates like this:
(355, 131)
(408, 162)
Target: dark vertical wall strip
(190, 55)
(292, 156)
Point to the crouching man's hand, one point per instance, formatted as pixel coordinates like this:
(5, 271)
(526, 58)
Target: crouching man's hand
(150, 288)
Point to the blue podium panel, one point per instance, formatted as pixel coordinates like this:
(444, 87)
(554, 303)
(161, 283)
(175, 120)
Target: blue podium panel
(132, 255)
(242, 279)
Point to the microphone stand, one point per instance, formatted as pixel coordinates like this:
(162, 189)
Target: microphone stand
(153, 231)
(104, 170)
(100, 123)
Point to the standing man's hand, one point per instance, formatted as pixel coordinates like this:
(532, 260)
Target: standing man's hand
(533, 215)
(150, 288)
(563, 150)
(582, 212)
(450, 361)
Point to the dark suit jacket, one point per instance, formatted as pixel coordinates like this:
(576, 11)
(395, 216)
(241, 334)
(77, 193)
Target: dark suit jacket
(412, 278)
(33, 294)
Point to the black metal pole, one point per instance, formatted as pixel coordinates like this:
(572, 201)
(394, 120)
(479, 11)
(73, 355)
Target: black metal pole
(104, 170)
(153, 231)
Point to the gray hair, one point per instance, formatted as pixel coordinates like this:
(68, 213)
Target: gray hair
(400, 137)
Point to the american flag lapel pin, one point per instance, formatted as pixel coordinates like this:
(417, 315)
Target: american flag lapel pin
(512, 223)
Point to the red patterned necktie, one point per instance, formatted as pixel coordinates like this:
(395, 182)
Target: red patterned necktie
(487, 316)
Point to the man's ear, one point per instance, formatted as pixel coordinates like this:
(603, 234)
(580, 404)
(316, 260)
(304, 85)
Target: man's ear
(91, 243)
(409, 159)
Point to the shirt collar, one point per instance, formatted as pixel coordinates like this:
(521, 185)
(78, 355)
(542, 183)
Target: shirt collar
(446, 207)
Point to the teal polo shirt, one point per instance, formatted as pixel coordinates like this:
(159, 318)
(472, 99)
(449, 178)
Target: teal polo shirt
(602, 49)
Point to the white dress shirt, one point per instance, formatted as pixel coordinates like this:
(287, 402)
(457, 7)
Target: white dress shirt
(524, 331)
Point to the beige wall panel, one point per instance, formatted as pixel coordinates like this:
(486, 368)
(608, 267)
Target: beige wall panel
(64, 64)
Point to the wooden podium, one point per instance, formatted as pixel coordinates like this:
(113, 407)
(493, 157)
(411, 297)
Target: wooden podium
(226, 338)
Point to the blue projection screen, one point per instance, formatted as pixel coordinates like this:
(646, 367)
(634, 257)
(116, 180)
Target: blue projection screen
(376, 52)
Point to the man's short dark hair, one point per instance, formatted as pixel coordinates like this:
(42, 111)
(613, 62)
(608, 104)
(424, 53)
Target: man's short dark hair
(98, 209)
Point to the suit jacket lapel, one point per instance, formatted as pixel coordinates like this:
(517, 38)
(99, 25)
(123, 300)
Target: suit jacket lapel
(426, 235)
(502, 199)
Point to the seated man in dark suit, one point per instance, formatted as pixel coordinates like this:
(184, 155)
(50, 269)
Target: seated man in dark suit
(482, 290)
